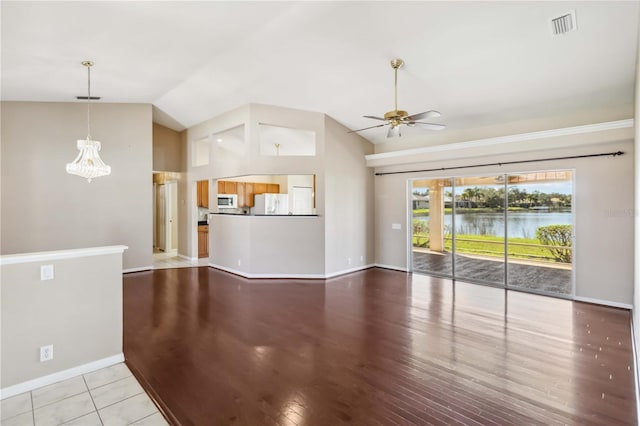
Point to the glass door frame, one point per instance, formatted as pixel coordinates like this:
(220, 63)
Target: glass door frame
(505, 185)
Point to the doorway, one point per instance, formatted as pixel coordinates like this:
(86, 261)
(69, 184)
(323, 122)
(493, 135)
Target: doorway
(165, 214)
(507, 230)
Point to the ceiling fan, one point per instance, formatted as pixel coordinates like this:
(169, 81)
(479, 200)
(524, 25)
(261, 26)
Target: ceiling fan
(396, 118)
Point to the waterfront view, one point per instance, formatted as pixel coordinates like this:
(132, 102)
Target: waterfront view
(538, 235)
(521, 224)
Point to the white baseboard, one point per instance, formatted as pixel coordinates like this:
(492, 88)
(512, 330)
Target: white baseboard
(246, 275)
(39, 382)
(191, 259)
(143, 268)
(349, 271)
(395, 268)
(634, 350)
(292, 276)
(603, 302)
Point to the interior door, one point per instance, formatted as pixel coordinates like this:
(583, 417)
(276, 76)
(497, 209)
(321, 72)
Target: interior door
(168, 215)
(162, 217)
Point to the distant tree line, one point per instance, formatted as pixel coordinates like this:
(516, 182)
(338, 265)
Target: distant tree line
(494, 198)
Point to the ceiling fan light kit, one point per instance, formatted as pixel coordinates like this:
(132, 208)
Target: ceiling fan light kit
(396, 118)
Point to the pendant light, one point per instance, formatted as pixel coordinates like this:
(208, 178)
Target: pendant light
(88, 163)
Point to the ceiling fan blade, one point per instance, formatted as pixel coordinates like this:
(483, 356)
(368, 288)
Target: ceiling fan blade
(430, 126)
(422, 115)
(375, 118)
(367, 128)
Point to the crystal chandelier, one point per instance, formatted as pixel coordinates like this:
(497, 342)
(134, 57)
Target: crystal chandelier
(88, 163)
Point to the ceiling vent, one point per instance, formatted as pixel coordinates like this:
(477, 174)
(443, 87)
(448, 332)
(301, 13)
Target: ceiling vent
(565, 23)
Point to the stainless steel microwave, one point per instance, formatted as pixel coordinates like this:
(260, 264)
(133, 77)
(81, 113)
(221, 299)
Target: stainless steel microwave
(227, 201)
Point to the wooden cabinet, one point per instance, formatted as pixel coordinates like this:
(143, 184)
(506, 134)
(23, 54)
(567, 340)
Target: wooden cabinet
(249, 194)
(203, 241)
(247, 190)
(227, 187)
(273, 188)
(230, 187)
(259, 188)
(203, 193)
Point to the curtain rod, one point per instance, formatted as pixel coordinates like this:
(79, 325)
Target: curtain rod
(604, 154)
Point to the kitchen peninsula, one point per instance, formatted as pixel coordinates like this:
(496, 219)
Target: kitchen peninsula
(268, 246)
(289, 191)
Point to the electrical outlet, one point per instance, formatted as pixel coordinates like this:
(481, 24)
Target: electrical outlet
(348, 260)
(361, 258)
(46, 353)
(46, 272)
(239, 262)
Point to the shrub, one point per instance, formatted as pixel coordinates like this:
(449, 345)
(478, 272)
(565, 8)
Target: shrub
(420, 233)
(559, 238)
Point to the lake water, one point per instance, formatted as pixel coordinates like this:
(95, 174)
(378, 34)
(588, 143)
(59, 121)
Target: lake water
(521, 224)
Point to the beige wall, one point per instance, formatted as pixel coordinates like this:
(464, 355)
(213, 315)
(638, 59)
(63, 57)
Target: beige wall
(167, 153)
(349, 230)
(79, 312)
(604, 197)
(44, 208)
(268, 245)
(636, 215)
(184, 211)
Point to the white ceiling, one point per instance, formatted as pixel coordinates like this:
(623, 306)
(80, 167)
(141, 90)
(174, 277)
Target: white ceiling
(475, 62)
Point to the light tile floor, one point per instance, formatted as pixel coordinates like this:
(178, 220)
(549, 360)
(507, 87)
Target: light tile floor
(172, 260)
(111, 396)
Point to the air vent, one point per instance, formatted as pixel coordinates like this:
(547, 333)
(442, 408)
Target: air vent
(565, 23)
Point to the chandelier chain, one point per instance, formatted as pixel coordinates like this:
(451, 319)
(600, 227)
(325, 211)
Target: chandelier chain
(89, 101)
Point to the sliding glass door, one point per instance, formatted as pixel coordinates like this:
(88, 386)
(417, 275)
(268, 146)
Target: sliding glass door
(432, 226)
(503, 230)
(480, 229)
(540, 231)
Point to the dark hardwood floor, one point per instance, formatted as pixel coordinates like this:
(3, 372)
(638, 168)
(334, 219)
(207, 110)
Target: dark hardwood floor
(376, 347)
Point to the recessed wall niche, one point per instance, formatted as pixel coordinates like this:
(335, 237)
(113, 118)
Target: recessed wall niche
(229, 143)
(200, 152)
(284, 141)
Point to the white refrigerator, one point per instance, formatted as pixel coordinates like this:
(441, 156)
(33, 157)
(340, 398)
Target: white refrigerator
(271, 204)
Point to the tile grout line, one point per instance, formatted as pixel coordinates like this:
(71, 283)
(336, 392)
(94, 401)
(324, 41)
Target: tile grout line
(109, 383)
(129, 397)
(92, 401)
(33, 410)
(145, 417)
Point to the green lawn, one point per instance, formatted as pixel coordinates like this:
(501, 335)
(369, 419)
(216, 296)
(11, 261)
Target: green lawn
(488, 245)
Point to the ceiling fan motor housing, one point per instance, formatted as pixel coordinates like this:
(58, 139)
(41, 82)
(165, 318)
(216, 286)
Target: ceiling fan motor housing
(398, 114)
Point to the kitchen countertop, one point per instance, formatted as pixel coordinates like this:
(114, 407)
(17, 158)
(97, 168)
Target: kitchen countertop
(202, 222)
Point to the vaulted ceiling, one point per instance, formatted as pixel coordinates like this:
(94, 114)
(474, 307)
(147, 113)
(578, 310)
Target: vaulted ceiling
(475, 62)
